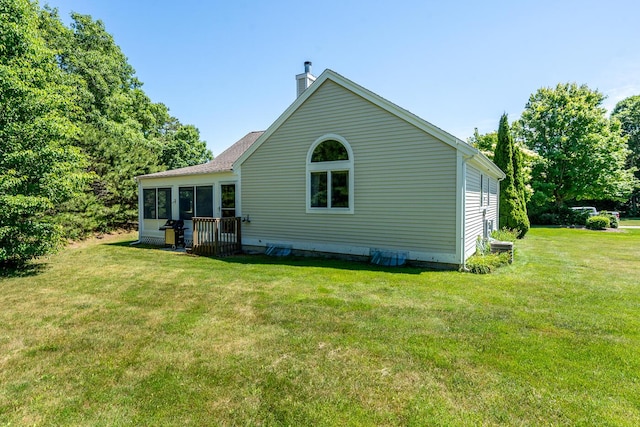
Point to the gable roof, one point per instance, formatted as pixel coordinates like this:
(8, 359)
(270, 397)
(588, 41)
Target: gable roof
(466, 149)
(222, 163)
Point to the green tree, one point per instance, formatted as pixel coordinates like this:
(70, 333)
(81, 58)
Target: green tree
(182, 147)
(513, 213)
(627, 112)
(582, 153)
(485, 142)
(39, 169)
(122, 132)
(519, 174)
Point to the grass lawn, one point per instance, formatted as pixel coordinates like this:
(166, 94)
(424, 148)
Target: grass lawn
(108, 334)
(630, 221)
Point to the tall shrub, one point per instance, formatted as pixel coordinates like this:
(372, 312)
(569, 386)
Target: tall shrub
(512, 207)
(518, 176)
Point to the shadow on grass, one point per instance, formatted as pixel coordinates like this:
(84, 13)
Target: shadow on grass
(128, 243)
(322, 262)
(292, 260)
(27, 270)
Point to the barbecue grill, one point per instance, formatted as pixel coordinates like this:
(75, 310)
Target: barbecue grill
(174, 232)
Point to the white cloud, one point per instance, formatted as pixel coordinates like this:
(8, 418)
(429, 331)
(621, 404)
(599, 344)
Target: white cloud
(617, 94)
(622, 80)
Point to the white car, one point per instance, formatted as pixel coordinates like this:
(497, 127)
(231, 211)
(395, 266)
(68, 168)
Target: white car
(592, 211)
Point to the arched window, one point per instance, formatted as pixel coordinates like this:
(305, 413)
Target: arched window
(330, 175)
(329, 151)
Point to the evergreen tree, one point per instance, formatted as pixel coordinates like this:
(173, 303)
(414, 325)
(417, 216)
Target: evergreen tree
(512, 209)
(518, 176)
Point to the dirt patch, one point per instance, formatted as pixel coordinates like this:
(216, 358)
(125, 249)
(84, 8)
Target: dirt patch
(101, 238)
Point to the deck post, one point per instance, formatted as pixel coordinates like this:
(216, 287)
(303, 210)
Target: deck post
(216, 233)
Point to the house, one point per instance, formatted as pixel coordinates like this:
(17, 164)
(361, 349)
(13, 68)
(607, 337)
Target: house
(342, 171)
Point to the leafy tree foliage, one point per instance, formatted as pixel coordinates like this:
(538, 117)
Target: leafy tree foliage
(75, 129)
(582, 153)
(513, 213)
(627, 112)
(121, 131)
(182, 147)
(39, 169)
(485, 143)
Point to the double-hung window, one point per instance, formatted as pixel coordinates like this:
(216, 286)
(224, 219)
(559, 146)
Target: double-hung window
(330, 176)
(156, 203)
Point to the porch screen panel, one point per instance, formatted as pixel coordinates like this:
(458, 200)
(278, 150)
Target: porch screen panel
(204, 201)
(186, 203)
(149, 198)
(164, 203)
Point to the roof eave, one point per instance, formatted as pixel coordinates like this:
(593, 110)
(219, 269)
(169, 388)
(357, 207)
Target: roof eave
(483, 163)
(151, 176)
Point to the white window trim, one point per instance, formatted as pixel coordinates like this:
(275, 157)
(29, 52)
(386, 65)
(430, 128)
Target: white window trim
(485, 193)
(341, 165)
(169, 208)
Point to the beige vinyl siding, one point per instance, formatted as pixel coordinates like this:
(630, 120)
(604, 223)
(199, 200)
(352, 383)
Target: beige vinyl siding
(473, 211)
(404, 180)
(492, 209)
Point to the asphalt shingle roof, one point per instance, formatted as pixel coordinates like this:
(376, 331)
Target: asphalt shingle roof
(221, 163)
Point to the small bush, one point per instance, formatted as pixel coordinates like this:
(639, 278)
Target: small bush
(599, 222)
(485, 264)
(505, 235)
(482, 246)
(613, 220)
(548, 219)
(560, 216)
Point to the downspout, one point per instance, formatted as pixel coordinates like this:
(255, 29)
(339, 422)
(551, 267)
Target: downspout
(140, 219)
(498, 181)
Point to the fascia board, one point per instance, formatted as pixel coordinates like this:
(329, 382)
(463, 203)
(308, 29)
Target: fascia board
(283, 118)
(481, 162)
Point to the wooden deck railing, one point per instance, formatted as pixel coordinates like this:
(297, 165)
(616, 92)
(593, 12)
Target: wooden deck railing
(217, 236)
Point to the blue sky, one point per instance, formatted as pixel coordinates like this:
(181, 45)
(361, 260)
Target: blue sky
(228, 67)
